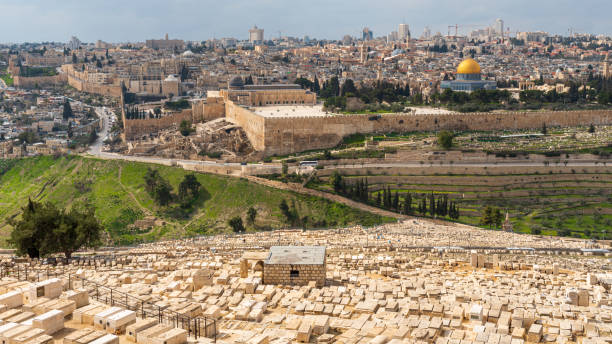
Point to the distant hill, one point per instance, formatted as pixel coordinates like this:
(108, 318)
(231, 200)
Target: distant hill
(116, 190)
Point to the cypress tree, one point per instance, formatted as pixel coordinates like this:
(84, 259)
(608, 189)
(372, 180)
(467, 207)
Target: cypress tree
(408, 204)
(432, 205)
(396, 202)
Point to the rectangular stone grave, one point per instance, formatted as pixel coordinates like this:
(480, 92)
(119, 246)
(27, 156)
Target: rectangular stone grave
(51, 321)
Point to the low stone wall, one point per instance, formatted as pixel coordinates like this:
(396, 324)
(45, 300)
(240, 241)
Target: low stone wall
(281, 274)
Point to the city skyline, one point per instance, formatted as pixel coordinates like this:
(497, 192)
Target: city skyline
(115, 21)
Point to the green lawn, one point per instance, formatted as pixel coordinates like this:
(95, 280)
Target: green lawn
(116, 190)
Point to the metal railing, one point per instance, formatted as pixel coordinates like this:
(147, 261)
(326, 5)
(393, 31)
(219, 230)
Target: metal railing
(195, 325)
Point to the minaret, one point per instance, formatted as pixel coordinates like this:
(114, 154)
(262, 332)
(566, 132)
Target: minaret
(363, 54)
(606, 68)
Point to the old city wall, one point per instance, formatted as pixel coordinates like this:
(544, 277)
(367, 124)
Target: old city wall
(84, 86)
(295, 134)
(138, 127)
(208, 110)
(39, 81)
(253, 125)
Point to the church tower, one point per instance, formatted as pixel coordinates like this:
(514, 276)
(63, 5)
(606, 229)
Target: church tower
(606, 73)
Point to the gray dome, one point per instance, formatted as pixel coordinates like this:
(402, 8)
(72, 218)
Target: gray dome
(236, 82)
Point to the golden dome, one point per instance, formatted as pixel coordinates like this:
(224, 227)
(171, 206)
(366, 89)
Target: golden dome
(468, 66)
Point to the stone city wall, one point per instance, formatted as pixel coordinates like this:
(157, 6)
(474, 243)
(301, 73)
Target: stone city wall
(253, 125)
(39, 81)
(209, 109)
(138, 127)
(281, 274)
(88, 87)
(295, 134)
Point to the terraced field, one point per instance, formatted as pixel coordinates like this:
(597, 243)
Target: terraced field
(116, 190)
(557, 201)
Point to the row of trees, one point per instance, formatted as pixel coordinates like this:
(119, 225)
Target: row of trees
(391, 200)
(162, 192)
(336, 94)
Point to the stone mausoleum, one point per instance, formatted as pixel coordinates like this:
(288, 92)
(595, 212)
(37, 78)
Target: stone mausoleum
(295, 265)
(468, 79)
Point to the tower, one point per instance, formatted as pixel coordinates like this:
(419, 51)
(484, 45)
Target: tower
(507, 226)
(256, 35)
(605, 70)
(403, 32)
(363, 54)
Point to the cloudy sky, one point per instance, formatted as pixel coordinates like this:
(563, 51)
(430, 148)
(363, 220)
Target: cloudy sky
(137, 20)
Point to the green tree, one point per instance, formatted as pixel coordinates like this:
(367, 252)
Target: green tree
(185, 128)
(285, 169)
(498, 217)
(336, 182)
(445, 139)
(591, 128)
(251, 215)
(158, 187)
(189, 188)
(236, 224)
(544, 131)
(408, 204)
(44, 229)
(67, 112)
(163, 193)
(284, 208)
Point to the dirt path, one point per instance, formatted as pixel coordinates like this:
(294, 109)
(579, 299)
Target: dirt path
(145, 210)
(335, 198)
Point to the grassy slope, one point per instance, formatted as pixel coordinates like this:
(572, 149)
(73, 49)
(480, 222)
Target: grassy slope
(116, 190)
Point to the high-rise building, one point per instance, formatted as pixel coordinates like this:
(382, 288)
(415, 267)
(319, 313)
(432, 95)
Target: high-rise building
(392, 37)
(426, 33)
(499, 27)
(74, 43)
(403, 32)
(256, 35)
(367, 34)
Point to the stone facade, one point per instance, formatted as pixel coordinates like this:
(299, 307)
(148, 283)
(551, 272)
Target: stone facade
(209, 109)
(39, 81)
(290, 274)
(139, 127)
(262, 95)
(278, 136)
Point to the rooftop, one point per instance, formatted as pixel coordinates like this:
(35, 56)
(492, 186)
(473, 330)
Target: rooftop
(304, 255)
(290, 111)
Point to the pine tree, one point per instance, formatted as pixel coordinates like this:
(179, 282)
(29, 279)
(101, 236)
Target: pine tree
(378, 200)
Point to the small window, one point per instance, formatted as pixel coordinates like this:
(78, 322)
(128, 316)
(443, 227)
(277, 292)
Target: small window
(294, 273)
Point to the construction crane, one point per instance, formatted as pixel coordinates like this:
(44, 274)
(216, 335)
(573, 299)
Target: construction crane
(457, 26)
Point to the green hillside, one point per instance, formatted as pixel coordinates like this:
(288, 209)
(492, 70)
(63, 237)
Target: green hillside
(116, 190)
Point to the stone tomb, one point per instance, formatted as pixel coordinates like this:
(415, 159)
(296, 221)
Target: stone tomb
(295, 265)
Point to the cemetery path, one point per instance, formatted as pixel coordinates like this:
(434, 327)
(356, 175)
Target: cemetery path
(335, 198)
